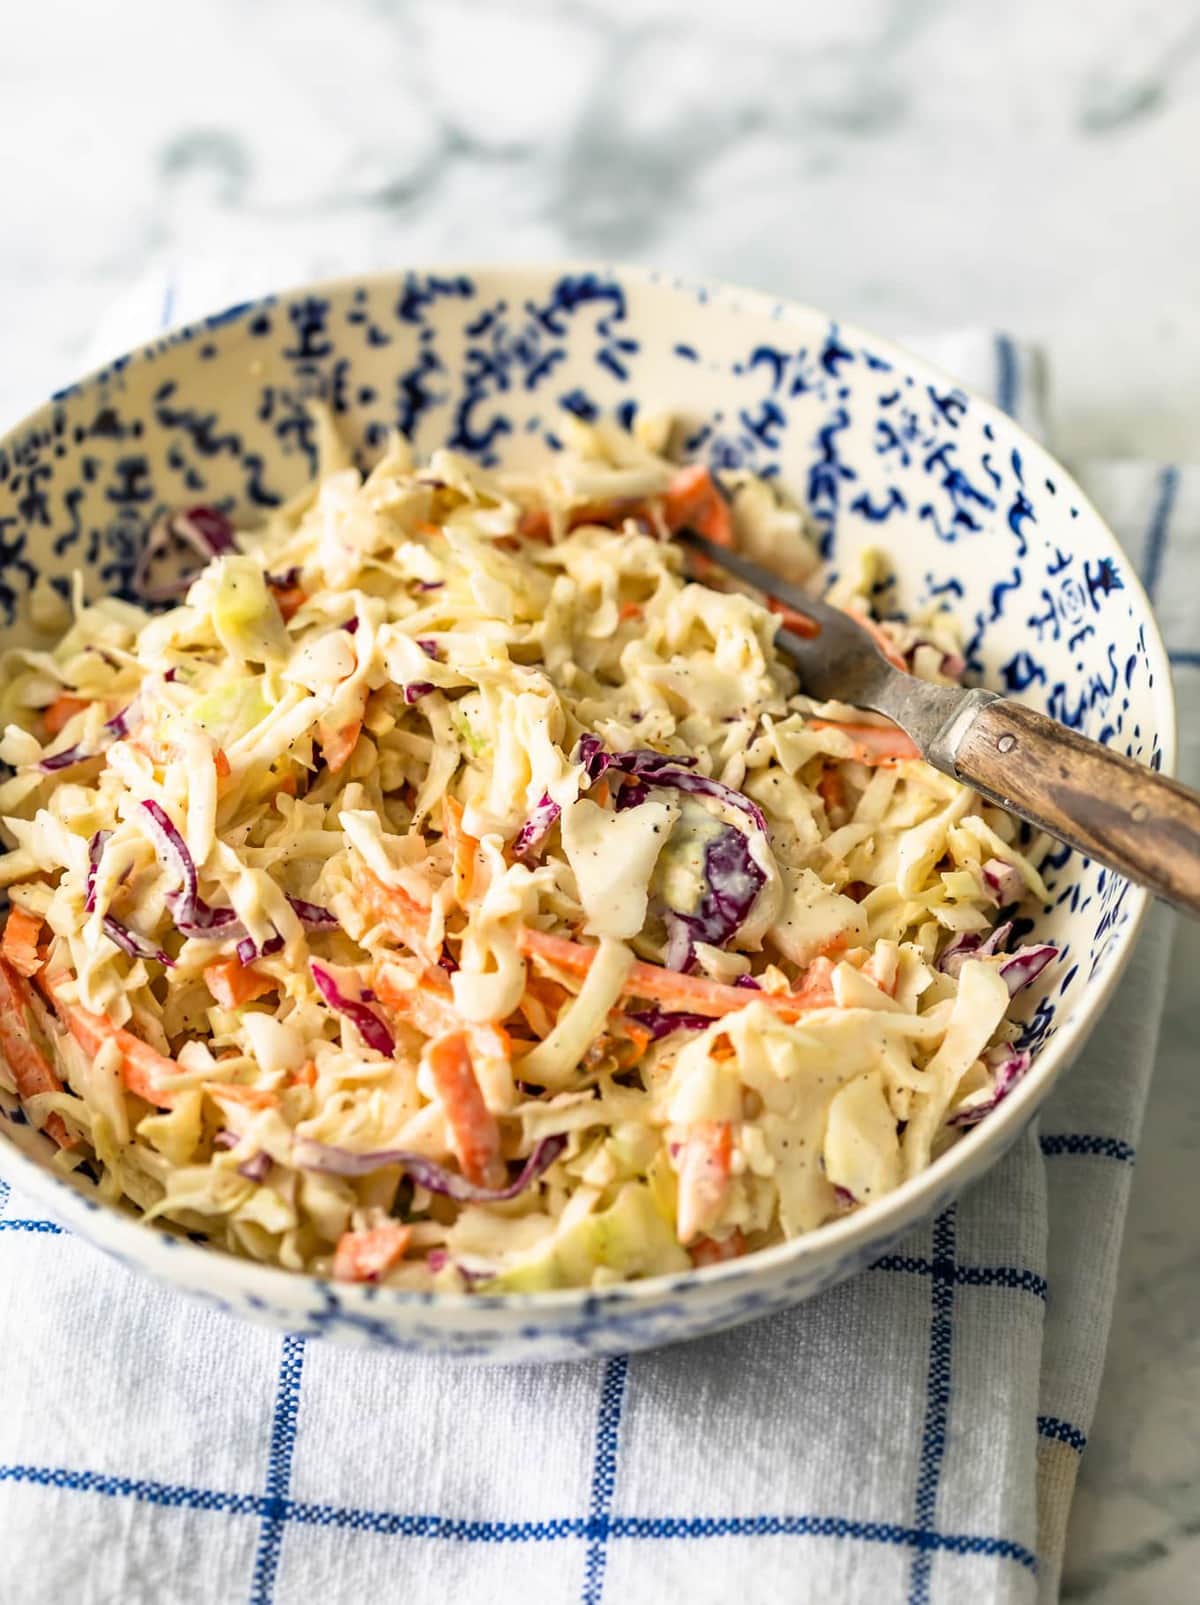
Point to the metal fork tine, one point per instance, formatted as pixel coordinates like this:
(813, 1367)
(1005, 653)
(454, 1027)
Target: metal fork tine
(762, 579)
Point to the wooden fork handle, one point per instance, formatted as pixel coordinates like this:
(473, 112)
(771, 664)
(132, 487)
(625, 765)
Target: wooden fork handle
(1115, 810)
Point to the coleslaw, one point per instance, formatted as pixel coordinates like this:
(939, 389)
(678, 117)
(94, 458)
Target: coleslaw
(448, 889)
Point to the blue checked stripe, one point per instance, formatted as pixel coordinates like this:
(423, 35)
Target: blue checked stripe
(1092, 1147)
(1156, 539)
(144, 1491)
(279, 1470)
(4, 1196)
(1062, 1432)
(47, 1227)
(604, 1476)
(937, 1404)
(550, 1529)
(1006, 375)
(1011, 1277)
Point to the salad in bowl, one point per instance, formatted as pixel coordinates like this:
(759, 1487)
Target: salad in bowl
(442, 884)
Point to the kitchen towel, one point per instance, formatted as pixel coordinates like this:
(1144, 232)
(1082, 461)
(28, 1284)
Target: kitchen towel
(911, 1435)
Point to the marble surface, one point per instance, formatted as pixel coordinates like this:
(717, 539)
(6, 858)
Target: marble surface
(910, 163)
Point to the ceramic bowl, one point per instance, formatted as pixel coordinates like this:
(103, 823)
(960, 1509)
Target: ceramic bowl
(881, 448)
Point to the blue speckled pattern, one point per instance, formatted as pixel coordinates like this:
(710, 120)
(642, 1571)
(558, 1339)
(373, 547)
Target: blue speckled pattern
(882, 450)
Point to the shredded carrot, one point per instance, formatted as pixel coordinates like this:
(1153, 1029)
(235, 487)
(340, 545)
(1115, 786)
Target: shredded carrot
(462, 849)
(427, 530)
(694, 993)
(20, 942)
(473, 1128)
(873, 744)
(831, 789)
(288, 784)
(337, 745)
(601, 793)
(814, 988)
(798, 623)
(400, 915)
(638, 1034)
(221, 764)
(629, 610)
(290, 600)
(881, 639)
(534, 524)
(29, 1067)
(61, 711)
(693, 500)
(142, 1066)
(306, 1076)
(251, 1097)
(422, 996)
(708, 1251)
(233, 983)
(703, 1166)
(366, 1256)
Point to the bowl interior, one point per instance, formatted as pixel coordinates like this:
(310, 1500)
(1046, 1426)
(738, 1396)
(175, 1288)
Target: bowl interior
(881, 449)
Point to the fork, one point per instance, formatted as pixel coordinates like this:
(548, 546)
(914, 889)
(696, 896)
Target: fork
(1136, 821)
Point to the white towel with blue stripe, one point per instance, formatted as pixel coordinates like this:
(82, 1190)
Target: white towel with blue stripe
(910, 1436)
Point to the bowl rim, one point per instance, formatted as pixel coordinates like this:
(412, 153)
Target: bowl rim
(909, 1203)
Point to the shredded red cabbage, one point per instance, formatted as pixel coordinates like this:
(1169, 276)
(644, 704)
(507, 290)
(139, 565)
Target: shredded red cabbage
(970, 945)
(430, 648)
(367, 1023)
(537, 827)
(1007, 1065)
(133, 944)
(416, 689)
(202, 531)
(95, 852)
(661, 1023)
(1003, 881)
(658, 769)
(113, 730)
(307, 1155)
(285, 581)
(248, 950)
(312, 916)
(257, 1168)
(1025, 965)
(732, 881)
(429, 585)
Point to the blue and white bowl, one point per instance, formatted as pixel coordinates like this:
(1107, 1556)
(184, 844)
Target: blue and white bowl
(883, 450)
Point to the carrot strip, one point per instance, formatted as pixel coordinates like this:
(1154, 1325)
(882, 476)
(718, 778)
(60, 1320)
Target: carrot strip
(814, 988)
(29, 1067)
(337, 745)
(366, 1256)
(707, 1251)
(629, 610)
(462, 849)
(694, 993)
(221, 764)
(534, 524)
(703, 1167)
(424, 998)
(881, 639)
(400, 915)
(873, 744)
(233, 983)
(306, 1076)
(831, 789)
(251, 1097)
(141, 1065)
(693, 500)
(20, 942)
(798, 623)
(61, 711)
(289, 601)
(473, 1128)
